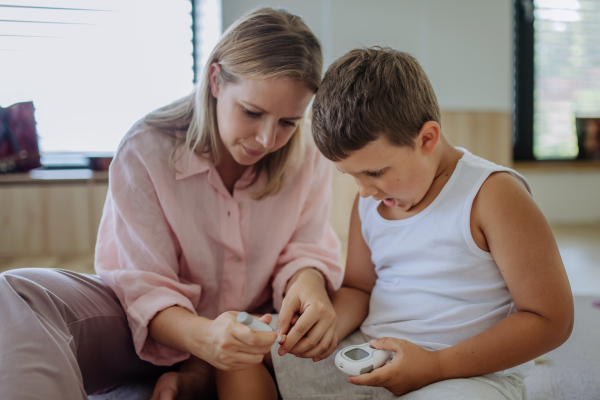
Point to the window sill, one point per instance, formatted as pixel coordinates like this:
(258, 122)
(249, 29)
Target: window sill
(55, 176)
(557, 166)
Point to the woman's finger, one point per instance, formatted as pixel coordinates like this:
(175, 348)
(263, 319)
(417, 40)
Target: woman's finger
(240, 360)
(321, 347)
(325, 323)
(267, 318)
(305, 323)
(250, 338)
(289, 307)
(295, 319)
(329, 351)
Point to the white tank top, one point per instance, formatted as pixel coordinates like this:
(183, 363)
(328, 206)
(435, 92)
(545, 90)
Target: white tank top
(434, 286)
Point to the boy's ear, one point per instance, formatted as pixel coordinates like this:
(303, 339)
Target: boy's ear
(214, 73)
(429, 137)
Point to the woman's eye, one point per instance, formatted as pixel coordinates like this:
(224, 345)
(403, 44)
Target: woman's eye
(375, 174)
(289, 123)
(251, 114)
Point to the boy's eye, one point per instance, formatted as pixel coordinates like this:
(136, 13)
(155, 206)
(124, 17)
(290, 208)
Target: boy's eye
(375, 174)
(251, 114)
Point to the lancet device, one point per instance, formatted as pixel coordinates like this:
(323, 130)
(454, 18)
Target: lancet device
(361, 359)
(255, 324)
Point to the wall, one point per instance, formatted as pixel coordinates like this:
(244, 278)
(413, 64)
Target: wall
(566, 195)
(465, 46)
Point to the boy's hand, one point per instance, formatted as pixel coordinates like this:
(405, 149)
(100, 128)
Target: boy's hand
(411, 368)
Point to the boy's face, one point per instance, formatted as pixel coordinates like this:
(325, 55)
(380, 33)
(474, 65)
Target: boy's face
(400, 176)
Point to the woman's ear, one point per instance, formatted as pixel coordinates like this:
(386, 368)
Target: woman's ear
(429, 137)
(214, 73)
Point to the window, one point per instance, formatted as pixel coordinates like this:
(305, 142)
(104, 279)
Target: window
(557, 78)
(93, 68)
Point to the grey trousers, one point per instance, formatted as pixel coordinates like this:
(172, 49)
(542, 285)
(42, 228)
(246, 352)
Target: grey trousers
(303, 379)
(63, 335)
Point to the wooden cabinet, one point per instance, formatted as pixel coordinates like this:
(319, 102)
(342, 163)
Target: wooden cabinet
(50, 217)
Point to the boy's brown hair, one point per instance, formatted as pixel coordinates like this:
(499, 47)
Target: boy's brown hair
(368, 93)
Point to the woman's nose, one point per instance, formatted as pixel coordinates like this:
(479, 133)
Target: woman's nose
(266, 136)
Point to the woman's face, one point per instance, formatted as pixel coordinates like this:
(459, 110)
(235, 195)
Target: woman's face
(257, 117)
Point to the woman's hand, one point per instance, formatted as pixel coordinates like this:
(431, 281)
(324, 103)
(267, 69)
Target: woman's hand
(313, 335)
(232, 346)
(411, 368)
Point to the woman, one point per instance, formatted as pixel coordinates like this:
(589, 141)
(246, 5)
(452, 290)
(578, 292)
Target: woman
(216, 205)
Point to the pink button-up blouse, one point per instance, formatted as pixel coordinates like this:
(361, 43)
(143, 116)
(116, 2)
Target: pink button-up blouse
(180, 238)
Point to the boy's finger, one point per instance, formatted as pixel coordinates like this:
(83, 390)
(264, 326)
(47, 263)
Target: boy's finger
(283, 337)
(387, 343)
(378, 378)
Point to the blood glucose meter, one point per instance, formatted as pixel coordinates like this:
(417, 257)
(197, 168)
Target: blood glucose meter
(361, 359)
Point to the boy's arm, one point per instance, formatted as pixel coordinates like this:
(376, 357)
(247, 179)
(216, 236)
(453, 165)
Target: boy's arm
(351, 301)
(505, 220)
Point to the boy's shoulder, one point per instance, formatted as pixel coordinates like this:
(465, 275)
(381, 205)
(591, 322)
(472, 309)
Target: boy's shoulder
(502, 196)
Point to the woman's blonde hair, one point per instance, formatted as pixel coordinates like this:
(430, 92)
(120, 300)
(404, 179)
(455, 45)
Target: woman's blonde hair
(264, 43)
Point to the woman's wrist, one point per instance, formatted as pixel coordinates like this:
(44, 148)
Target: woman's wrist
(308, 273)
(179, 329)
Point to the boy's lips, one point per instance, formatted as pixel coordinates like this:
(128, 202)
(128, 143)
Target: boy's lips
(389, 202)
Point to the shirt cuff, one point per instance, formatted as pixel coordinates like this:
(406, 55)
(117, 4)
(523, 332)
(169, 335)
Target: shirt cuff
(140, 314)
(286, 273)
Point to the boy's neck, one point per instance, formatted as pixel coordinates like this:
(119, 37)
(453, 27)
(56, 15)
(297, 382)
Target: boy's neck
(447, 158)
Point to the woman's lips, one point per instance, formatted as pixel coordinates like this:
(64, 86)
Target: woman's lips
(389, 202)
(252, 153)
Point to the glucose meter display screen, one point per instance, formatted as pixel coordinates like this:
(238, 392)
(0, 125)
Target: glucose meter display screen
(356, 354)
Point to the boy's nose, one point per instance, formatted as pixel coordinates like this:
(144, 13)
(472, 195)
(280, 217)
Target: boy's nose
(266, 136)
(366, 191)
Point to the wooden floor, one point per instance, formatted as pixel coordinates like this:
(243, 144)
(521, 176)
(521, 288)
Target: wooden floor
(579, 246)
(580, 250)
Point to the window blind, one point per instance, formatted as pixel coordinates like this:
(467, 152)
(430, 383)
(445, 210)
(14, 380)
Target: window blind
(567, 73)
(93, 67)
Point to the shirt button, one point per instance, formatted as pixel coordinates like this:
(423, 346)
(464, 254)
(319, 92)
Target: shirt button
(237, 259)
(242, 205)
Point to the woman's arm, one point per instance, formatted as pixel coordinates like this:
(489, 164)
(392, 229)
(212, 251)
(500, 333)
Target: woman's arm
(351, 302)
(137, 256)
(224, 343)
(308, 267)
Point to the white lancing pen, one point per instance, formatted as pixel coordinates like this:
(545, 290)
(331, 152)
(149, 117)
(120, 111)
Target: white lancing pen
(255, 324)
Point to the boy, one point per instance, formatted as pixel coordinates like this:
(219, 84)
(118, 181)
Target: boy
(451, 265)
